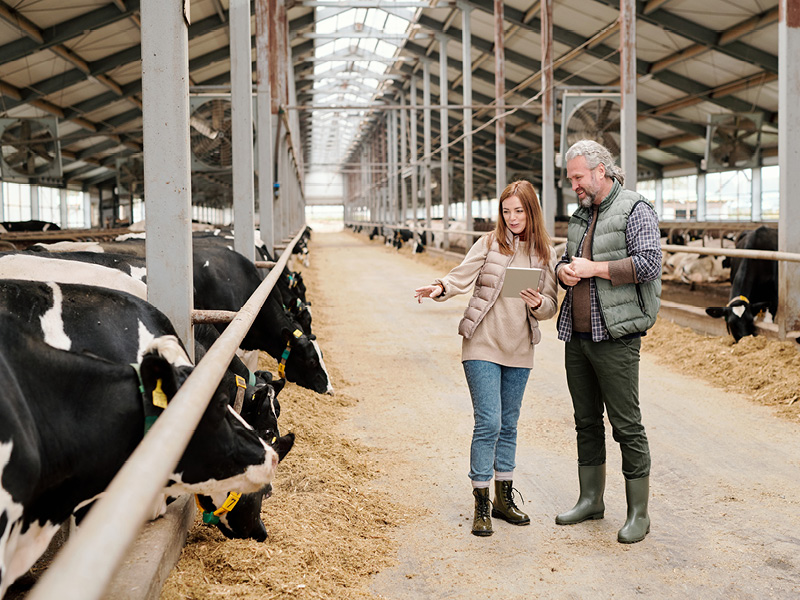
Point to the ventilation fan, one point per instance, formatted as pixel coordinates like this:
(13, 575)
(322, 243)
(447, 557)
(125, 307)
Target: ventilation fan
(733, 141)
(592, 116)
(30, 150)
(130, 176)
(211, 135)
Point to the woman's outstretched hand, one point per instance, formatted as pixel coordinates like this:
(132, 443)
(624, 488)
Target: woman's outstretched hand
(531, 297)
(428, 291)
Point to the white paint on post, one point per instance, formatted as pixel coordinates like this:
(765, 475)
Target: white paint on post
(548, 198)
(499, 94)
(167, 175)
(414, 156)
(466, 60)
(627, 67)
(444, 138)
(266, 174)
(403, 160)
(788, 159)
(242, 129)
(426, 134)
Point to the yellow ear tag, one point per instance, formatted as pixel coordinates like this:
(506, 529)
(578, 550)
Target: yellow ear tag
(159, 397)
(298, 333)
(240, 382)
(273, 440)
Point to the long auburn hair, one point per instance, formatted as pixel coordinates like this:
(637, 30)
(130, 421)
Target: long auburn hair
(535, 235)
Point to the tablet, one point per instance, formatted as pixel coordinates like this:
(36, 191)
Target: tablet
(518, 279)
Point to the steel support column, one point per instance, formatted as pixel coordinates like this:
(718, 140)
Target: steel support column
(426, 133)
(499, 93)
(414, 158)
(167, 175)
(466, 86)
(403, 160)
(548, 198)
(627, 67)
(444, 139)
(242, 129)
(788, 159)
(266, 170)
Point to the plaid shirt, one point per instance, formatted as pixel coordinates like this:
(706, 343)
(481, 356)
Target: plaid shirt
(643, 240)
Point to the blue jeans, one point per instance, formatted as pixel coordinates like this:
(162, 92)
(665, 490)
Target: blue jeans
(496, 401)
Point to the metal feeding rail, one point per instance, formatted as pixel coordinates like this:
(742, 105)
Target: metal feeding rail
(85, 565)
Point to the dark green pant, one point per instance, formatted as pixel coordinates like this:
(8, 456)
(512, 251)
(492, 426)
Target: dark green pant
(607, 374)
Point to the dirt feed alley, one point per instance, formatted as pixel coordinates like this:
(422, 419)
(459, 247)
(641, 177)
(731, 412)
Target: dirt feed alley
(388, 456)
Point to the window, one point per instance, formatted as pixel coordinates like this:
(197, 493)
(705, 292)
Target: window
(679, 196)
(50, 205)
(648, 190)
(76, 216)
(729, 195)
(17, 201)
(770, 193)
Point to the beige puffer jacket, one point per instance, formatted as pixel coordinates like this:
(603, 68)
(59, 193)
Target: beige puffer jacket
(488, 286)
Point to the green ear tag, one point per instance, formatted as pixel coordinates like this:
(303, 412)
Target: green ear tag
(159, 397)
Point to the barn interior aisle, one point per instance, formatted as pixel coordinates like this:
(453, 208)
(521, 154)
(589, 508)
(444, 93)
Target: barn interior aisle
(725, 490)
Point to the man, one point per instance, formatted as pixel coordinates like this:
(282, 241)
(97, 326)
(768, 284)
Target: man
(611, 270)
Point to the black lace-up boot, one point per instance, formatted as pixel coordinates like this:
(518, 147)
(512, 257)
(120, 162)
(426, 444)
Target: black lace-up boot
(482, 523)
(504, 506)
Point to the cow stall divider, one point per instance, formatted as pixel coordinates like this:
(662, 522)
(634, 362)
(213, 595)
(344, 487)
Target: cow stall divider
(85, 565)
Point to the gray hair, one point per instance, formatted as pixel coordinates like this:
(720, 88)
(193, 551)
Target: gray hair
(595, 154)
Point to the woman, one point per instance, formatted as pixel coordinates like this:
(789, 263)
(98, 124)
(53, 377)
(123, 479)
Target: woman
(499, 335)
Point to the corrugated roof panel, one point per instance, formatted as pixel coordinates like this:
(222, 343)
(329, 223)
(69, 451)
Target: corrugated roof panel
(717, 15)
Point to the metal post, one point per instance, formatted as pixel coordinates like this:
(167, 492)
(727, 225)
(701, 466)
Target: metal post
(700, 212)
(548, 198)
(788, 159)
(403, 161)
(242, 128)
(414, 157)
(499, 93)
(659, 199)
(62, 208)
(33, 200)
(627, 67)
(444, 121)
(266, 174)
(755, 195)
(466, 60)
(167, 175)
(426, 133)
(392, 158)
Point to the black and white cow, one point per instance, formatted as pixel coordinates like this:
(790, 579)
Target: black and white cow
(754, 285)
(28, 226)
(224, 280)
(61, 442)
(119, 327)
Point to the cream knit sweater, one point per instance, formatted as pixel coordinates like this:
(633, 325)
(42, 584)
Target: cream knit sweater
(503, 336)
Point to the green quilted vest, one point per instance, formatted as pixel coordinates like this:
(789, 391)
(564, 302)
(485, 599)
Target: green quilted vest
(628, 308)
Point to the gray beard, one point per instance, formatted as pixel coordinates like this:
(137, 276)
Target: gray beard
(586, 201)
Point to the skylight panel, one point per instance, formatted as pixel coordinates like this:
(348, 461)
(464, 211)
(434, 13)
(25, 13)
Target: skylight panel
(368, 44)
(324, 49)
(395, 24)
(328, 25)
(385, 49)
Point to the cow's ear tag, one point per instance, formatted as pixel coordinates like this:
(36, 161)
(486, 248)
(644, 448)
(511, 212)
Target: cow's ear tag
(159, 397)
(298, 333)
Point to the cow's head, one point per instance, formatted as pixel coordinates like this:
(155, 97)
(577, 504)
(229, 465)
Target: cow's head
(304, 365)
(243, 520)
(739, 316)
(225, 452)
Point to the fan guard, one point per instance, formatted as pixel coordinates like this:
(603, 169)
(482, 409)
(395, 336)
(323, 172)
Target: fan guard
(733, 141)
(30, 150)
(211, 136)
(592, 116)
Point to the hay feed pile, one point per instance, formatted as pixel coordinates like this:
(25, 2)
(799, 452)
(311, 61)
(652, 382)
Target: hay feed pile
(765, 370)
(328, 531)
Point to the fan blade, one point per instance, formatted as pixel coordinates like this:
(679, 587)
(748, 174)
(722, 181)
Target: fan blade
(203, 127)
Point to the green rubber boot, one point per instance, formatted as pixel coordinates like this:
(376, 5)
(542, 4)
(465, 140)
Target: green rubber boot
(637, 524)
(590, 502)
(482, 522)
(504, 506)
